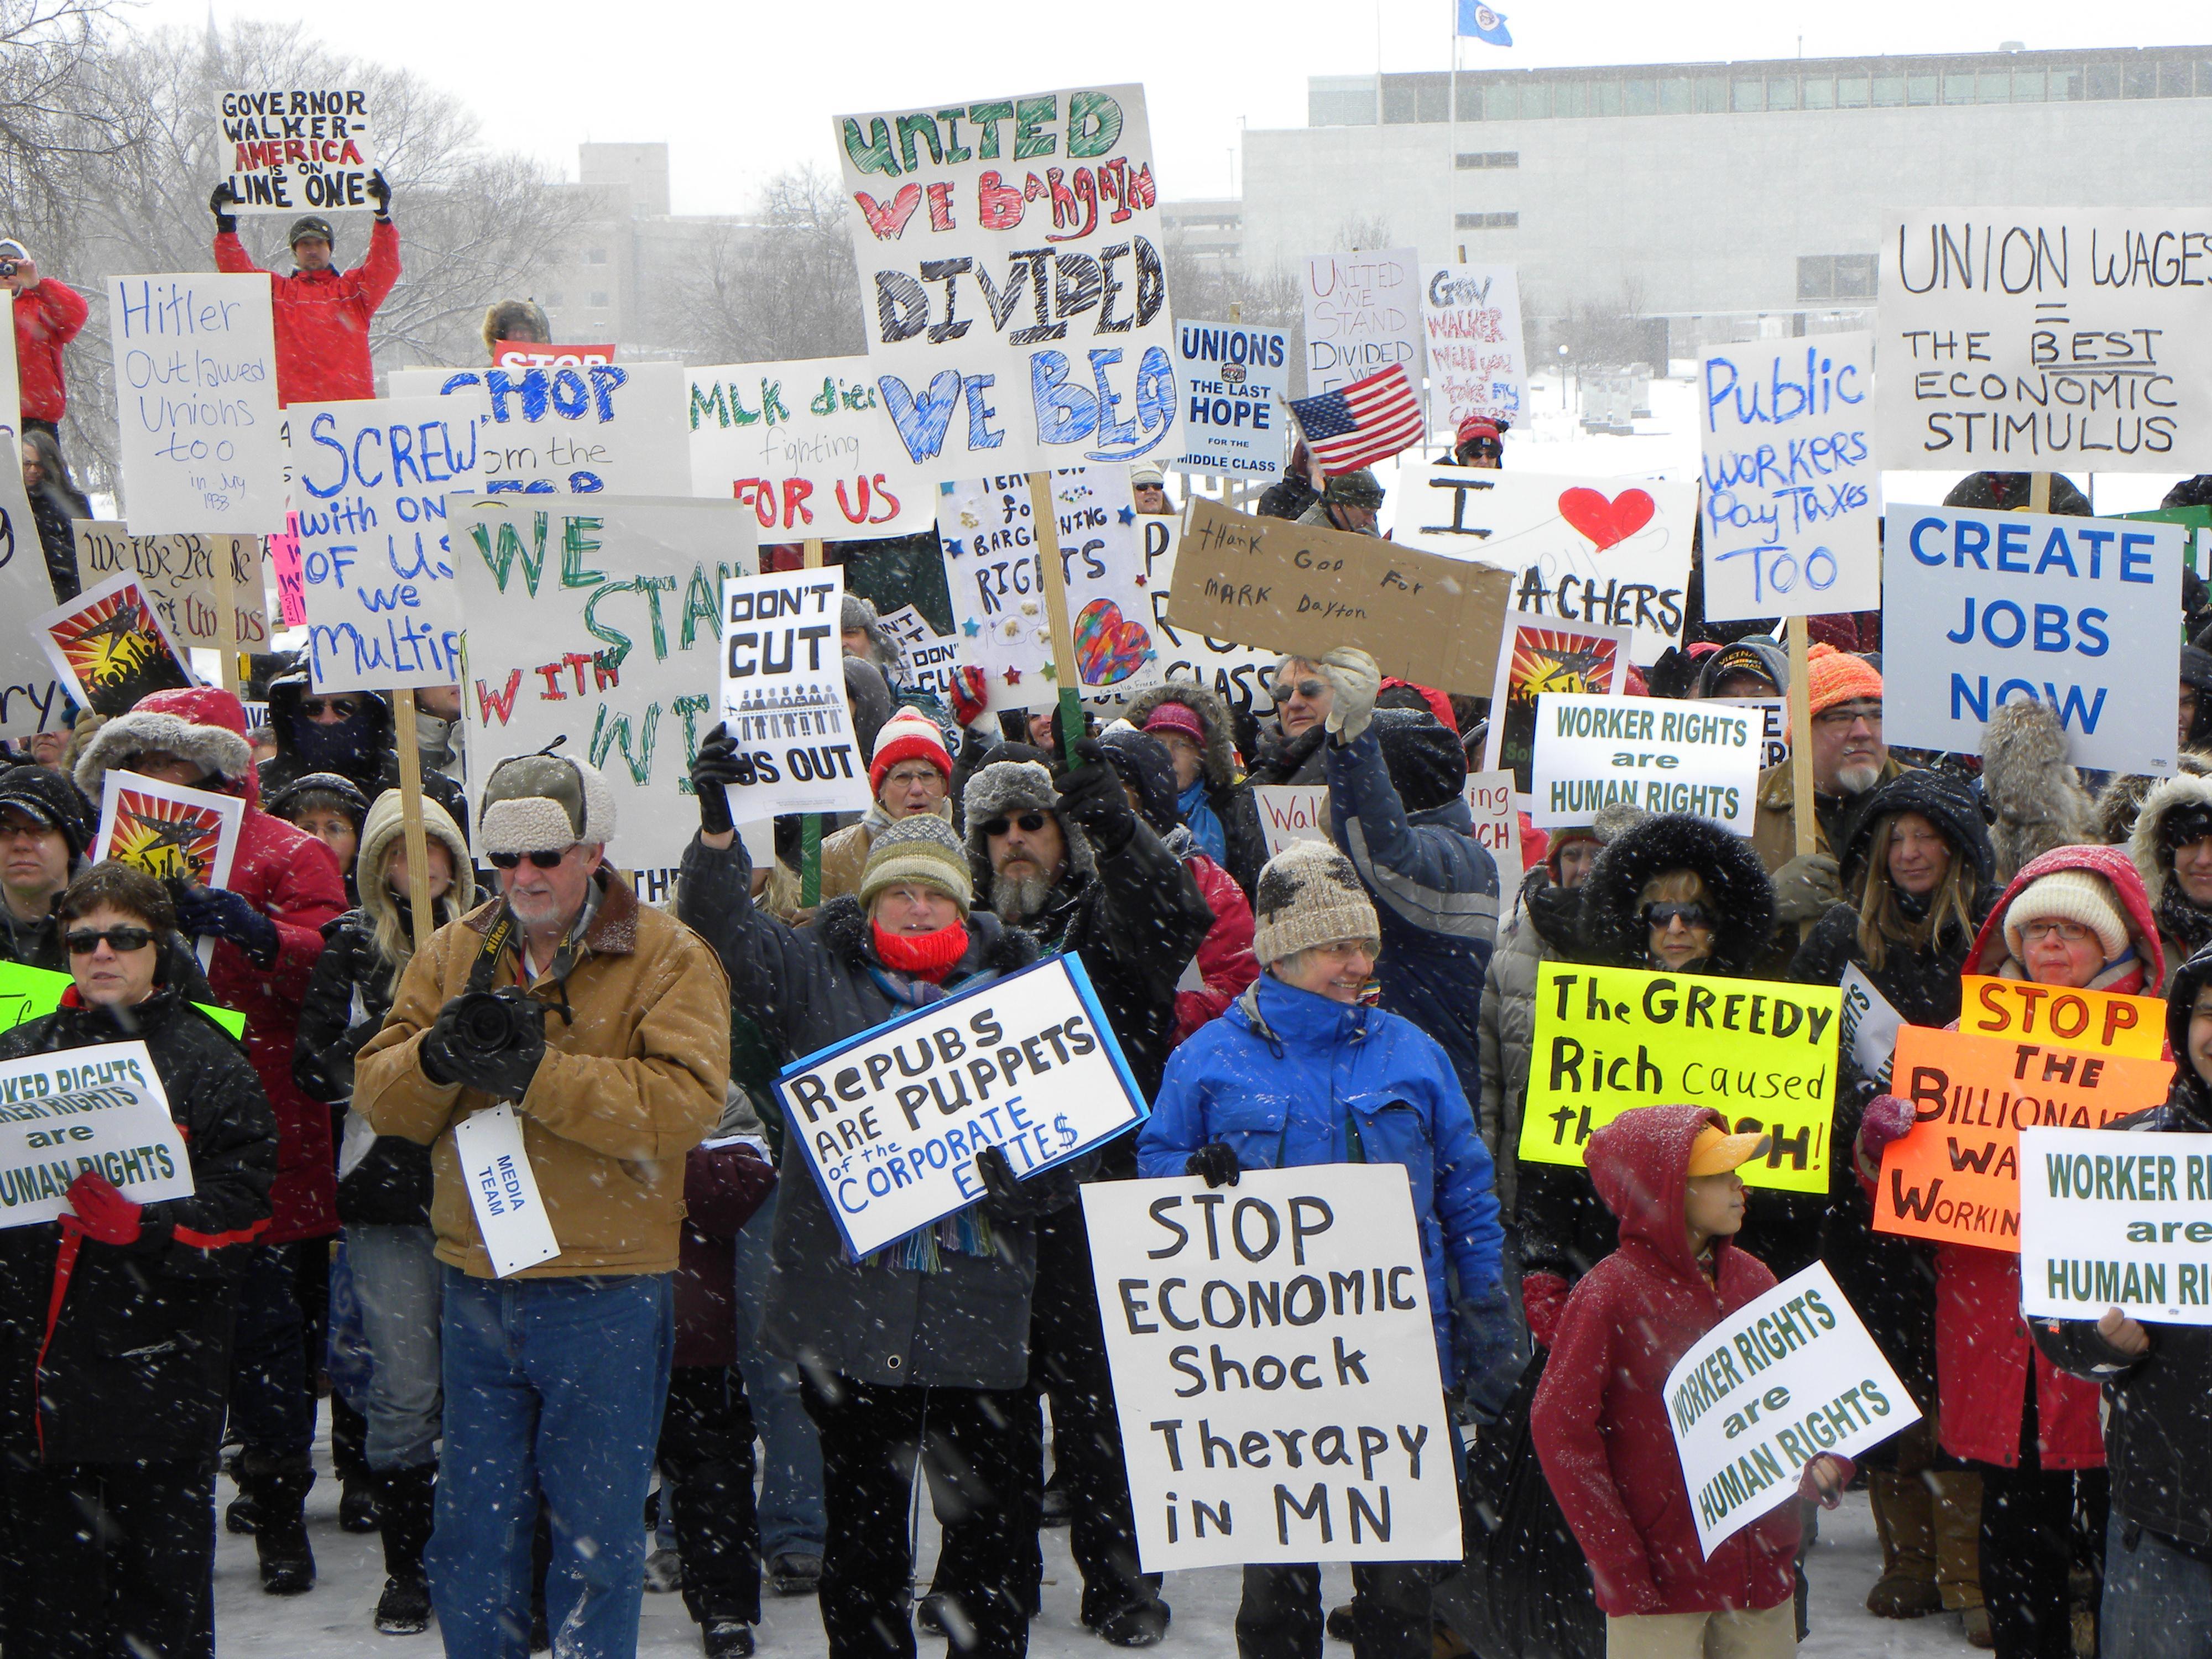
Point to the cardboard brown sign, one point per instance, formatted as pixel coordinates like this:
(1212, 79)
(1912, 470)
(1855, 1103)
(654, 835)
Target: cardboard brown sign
(1299, 588)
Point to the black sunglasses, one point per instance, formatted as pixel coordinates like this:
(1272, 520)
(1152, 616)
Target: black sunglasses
(313, 708)
(122, 940)
(1310, 689)
(1656, 916)
(543, 860)
(1031, 822)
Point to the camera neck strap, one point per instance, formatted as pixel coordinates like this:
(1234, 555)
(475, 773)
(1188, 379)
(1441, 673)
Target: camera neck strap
(506, 932)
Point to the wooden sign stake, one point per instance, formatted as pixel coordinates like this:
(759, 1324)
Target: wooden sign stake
(809, 835)
(411, 816)
(1046, 522)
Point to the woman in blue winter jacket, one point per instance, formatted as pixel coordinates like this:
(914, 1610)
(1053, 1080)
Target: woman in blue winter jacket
(1298, 1072)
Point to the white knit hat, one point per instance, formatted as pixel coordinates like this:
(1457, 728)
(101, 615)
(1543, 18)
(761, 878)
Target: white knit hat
(2080, 895)
(1308, 894)
(544, 803)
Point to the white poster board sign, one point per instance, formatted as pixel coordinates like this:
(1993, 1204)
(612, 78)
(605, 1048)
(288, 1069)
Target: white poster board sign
(1774, 724)
(928, 660)
(1234, 381)
(1608, 551)
(11, 389)
(1788, 1377)
(1362, 314)
(1306, 1420)
(195, 359)
(1867, 1030)
(783, 696)
(1027, 1063)
(1664, 756)
(1299, 811)
(1292, 811)
(1983, 608)
(575, 430)
(1792, 500)
(1490, 801)
(102, 1109)
(32, 688)
(1477, 364)
(296, 149)
(2116, 1221)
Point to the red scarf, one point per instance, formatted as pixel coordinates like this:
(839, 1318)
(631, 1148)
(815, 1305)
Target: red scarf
(925, 955)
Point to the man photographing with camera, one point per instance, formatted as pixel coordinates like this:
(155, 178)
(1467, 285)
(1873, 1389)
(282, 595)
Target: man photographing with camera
(605, 1027)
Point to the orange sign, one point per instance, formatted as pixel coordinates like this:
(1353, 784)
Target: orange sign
(1955, 1178)
(2099, 1021)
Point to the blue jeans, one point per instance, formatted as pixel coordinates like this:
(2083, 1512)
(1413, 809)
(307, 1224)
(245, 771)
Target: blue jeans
(2158, 1601)
(397, 1283)
(791, 1522)
(271, 1409)
(552, 1386)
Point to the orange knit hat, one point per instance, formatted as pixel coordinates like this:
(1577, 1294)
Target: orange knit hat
(1832, 677)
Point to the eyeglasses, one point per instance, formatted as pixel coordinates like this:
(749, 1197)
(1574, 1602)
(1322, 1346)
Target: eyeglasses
(904, 776)
(24, 829)
(1030, 822)
(1658, 916)
(121, 940)
(543, 860)
(1282, 690)
(316, 707)
(2068, 933)
(1849, 714)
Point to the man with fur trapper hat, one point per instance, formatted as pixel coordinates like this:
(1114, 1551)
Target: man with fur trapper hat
(323, 314)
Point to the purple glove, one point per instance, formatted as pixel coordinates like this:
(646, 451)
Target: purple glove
(1886, 1118)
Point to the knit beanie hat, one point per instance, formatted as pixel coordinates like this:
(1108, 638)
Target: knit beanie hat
(1832, 677)
(922, 850)
(1308, 894)
(309, 225)
(1176, 717)
(907, 735)
(2079, 896)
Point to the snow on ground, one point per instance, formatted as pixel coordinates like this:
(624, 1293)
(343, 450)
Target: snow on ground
(332, 1621)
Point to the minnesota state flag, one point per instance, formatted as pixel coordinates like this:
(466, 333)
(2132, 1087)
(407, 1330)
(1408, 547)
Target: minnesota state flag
(1480, 20)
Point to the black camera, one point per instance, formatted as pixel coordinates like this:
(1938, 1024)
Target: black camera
(488, 1023)
(8, 269)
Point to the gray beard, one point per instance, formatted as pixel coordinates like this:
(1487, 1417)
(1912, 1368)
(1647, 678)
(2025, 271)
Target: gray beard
(1857, 780)
(1017, 898)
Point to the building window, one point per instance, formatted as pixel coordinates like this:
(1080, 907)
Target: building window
(1570, 99)
(1958, 88)
(1819, 92)
(2173, 80)
(1536, 101)
(1397, 101)
(1501, 101)
(2140, 80)
(556, 298)
(1920, 88)
(2065, 85)
(1711, 94)
(1836, 276)
(1888, 91)
(1674, 95)
(1478, 160)
(1487, 221)
(1605, 97)
(2028, 86)
(599, 299)
(1995, 87)
(1432, 99)
(2104, 81)
(1781, 92)
(1640, 95)
(1750, 96)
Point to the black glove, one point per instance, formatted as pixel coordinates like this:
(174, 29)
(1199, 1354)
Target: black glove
(221, 197)
(1217, 1162)
(1002, 1188)
(381, 193)
(1090, 798)
(719, 766)
(446, 1057)
(217, 912)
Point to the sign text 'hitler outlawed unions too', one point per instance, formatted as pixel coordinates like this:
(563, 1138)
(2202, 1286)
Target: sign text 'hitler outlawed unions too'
(1274, 1368)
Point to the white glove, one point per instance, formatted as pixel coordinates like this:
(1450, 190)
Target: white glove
(1355, 678)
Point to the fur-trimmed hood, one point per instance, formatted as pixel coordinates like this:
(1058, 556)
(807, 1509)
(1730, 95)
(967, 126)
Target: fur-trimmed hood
(203, 723)
(1212, 713)
(2153, 858)
(1990, 953)
(2032, 786)
(992, 947)
(1613, 931)
(1946, 801)
(2120, 802)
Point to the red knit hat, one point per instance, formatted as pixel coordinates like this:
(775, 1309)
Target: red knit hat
(1172, 716)
(1478, 426)
(907, 735)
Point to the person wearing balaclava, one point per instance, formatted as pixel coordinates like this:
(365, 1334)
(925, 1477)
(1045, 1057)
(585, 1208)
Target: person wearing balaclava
(345, 733)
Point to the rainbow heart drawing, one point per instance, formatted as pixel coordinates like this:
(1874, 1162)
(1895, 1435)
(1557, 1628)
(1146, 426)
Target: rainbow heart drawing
(1108, 647)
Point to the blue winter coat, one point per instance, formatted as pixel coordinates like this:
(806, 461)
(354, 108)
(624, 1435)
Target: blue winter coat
(1286, 1078)
(1435, 889)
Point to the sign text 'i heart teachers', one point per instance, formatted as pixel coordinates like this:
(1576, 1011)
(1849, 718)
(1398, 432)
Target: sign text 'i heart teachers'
(1606, 552)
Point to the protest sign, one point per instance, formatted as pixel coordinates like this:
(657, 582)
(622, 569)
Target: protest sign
(1233, 378)
(1982, 609)
(28, 993)
(1490, 802)
(1696, 757)
(1362, 313)
(1955, 1176)
(927, 659)
(1870, 1026)
(890, 1121)
(1303, 590)
(11, 390)
(1299, 811)
(1471, 315)
(375, 558)
(195, 360)
(783, 696)
(2032, 339)
(109, 647)
(169, 831)
(1763, 1055)
(1292, 811)
(1538, 657)
(1789, 1376)
(532, 354)
(572, 431)
(1020, 318)
(2102, 1022)
(1242, 676)
(284, 565)
(1774, 725)
(1586, 551)
(809, 446)
(991, 568)
(2107, 1222)
(600, 621)
(31, 690)
(297, 150)
(99, 1109)
(1793, 495)
(1353, 1460)
(178, 574)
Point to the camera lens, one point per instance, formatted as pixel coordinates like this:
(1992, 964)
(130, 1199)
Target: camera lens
(486, 1022)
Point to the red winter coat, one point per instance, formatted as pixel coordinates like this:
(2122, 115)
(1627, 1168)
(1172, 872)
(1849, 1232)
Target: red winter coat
(1225, 963)
(289, 877)
(1982, 1348)
(322, 318)
(47, 318)
(723, 1186)
(1600, 1416)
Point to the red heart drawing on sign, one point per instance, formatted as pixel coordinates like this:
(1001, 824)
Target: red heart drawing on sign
(1606, 523)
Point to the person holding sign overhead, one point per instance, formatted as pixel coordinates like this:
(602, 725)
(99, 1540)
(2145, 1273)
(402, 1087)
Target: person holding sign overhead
(115, 1321)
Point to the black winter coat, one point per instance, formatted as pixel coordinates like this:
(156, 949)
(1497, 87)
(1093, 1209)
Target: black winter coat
(137, 1358)
(373, 776)
(347, 999)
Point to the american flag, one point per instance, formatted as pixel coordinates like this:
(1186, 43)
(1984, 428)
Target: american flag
(1362, 423)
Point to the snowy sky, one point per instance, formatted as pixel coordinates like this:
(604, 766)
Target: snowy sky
(740, 91)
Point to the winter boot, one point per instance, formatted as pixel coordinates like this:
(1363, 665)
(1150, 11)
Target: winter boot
(1904, 1519)
(727, 1638)
(1958, 1520)
(280, 1533)
(406, 1502)
(350, 1462)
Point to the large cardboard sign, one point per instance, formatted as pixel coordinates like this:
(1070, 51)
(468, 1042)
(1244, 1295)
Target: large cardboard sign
(1788, 1377)
(2045, 339)
(102, 1108)
(890, 1121)
(1538, 657)
(1362, 313)
(178, 573)
(599, 620)
(1242, 676)
(573, 430)
(1275, 1368)
(1234, 379)
(1762, 1054)
(1955, 1177)
(783, 696)
(31, 687)
(1471, 315)
(2116, 1221)
(1983, 608)
(1792, 504)
(1012, 277)
(195, 358)
(109, 648)
(297, 149)
(1587, 550)
(1664, 756)
(1302, 589)
(809, 446)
